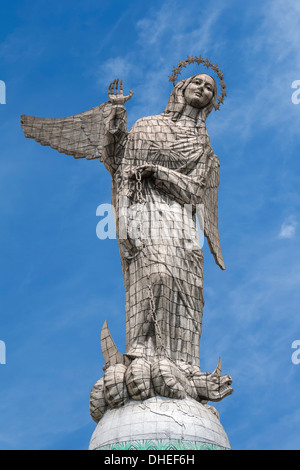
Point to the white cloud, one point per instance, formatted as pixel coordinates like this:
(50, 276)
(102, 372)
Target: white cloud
(15, 49)
(115, 67)
(180, 34)
(270, 55)
(288, 229)
(275, 51)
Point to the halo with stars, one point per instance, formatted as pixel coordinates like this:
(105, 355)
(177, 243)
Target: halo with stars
(200, 61)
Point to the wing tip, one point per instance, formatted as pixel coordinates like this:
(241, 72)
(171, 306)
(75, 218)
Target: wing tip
(22, 120)
(24, 124)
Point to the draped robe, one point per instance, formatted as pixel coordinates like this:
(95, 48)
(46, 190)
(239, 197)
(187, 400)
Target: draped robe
(162, 260)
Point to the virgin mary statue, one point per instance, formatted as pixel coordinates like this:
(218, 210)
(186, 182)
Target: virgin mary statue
(163, 172)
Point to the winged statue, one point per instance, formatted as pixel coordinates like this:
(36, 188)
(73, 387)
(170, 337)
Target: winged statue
(163, 167)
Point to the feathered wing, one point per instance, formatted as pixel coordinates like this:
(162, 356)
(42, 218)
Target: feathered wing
(211, 220)
(80, 135)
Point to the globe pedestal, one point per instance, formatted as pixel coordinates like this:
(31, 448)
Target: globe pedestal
(160, 423)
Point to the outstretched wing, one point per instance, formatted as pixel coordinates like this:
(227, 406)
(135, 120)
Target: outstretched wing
(80, 135)
(211, 222)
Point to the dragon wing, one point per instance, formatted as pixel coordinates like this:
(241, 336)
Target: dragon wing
(211, 223)
(80, 135)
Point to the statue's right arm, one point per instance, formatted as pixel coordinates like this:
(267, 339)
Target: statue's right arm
(84, 135)
(116, 127)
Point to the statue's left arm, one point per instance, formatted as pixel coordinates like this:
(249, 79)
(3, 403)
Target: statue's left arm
(182, 188)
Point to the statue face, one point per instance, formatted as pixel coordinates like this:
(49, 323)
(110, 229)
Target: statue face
(200, 91)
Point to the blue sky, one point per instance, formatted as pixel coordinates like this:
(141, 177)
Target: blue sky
(59, 282)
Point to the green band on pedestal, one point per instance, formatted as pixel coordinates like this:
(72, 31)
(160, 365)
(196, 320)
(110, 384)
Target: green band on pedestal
(161, 445)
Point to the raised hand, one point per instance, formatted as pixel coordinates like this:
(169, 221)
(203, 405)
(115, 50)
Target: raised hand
(115, 94)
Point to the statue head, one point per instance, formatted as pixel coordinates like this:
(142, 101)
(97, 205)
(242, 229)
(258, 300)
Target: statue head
(199, 91)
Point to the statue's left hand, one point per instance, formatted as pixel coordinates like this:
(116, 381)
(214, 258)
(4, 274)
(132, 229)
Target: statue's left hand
(115, 94)
(145, 171)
